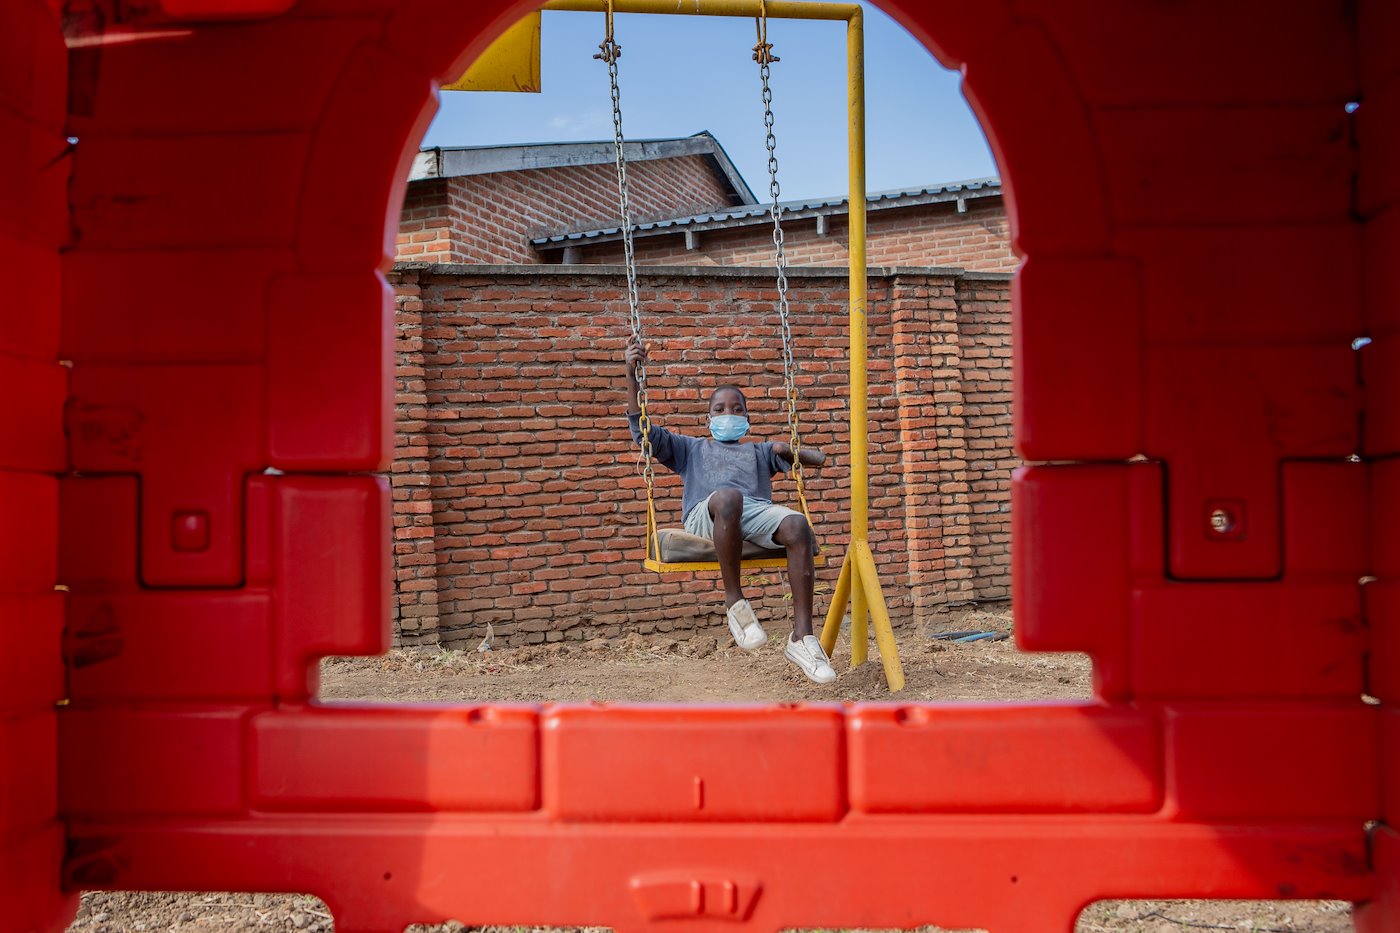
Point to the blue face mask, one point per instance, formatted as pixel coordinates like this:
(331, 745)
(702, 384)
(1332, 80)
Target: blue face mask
(728, 427)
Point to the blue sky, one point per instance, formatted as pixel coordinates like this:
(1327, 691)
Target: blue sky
(683, 74)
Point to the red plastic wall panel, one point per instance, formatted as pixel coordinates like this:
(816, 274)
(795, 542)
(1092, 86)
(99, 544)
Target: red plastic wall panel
(318, 584)
(336, 233)
(1068, 374)
(34, 174)
(1030, 875)
(1216, 341)
(1142, 625)
(427, 759)
(1380, 359)
(209, 305)
(192, 433)
(327, 409)
(223, 9)
(911, 759)
(699, 765)
(1383, 594)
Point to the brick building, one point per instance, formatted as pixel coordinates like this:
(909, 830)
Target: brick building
(517, 501)
(489, 204)
(557, 203)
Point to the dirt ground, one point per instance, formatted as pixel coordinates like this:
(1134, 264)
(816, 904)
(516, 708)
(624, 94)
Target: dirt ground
(700, 668)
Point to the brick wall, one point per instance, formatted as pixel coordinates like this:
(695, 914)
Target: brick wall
(491, 218)
(516, 494)
(924, 235)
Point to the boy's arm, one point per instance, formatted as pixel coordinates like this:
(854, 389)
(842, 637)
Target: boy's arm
(810, 456)
(668, 449)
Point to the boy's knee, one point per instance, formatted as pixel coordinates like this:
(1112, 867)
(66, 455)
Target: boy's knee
(726, 503)
(795, 532)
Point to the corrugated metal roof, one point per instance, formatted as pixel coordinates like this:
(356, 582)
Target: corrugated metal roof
(899, 197)
(458, 161)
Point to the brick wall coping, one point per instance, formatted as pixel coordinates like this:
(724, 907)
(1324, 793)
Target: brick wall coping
(704, 272)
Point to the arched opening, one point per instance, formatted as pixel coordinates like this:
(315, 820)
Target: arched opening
(493, 349)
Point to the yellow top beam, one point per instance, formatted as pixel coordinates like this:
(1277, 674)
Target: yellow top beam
(777, 9)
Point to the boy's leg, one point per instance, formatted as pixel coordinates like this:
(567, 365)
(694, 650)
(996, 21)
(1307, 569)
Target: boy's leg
(795, 534)
(803, 648)
(726, 511)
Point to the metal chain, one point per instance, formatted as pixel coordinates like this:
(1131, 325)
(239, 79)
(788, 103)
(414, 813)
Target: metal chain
(609, 52)
(763, 54)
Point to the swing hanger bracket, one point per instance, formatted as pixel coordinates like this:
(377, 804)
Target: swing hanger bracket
(608, 50)
(763, 50)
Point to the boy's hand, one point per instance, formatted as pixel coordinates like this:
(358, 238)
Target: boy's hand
(636, 355)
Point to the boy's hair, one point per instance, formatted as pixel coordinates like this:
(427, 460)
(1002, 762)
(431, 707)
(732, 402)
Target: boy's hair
(729, 387)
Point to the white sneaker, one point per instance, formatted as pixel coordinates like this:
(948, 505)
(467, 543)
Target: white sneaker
(808, 655)
(744, 626)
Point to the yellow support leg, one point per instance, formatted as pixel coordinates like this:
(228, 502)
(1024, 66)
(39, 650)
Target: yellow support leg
(860, 634)
(880, 617)
(839, 601)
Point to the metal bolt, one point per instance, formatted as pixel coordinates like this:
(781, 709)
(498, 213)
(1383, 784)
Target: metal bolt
(1222, 521)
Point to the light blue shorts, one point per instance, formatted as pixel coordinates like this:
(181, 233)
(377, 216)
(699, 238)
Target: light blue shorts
(758, 523)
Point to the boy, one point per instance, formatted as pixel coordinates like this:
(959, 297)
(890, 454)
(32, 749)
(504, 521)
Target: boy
(728, 498)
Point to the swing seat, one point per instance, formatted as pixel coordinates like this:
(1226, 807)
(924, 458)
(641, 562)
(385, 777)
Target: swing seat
(674, 550)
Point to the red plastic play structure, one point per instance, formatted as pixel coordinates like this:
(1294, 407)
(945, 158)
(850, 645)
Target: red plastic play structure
(1209, 226)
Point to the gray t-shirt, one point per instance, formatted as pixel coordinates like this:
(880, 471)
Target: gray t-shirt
(704, 464)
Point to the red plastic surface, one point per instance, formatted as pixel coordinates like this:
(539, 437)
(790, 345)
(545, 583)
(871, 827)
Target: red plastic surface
(701, 765)
(1088, 759)
(111, 314)
(1055, 193)
(1288, 164)
(1066, 374)
(244, 196)
(326, 410)
(1380, 360)
(31, 662)
(135, 645)
(1168, 59)
(29, 542)
(1195, 274)
(192, 433)
(424, 759)
(1378, 142)
(1381, 913)
(331, 562)
(100, 543)
(190, 761)
(336, 234)
(1328, 753)
(34, 173)
(28, 795)
(31, 432)
(1004, 875)
(28, 316)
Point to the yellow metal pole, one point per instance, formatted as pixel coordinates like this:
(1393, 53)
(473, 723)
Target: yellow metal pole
(776, 9)
(860, 455)
(863, 576)
(860, 609)
(880, 618)
(839, 600)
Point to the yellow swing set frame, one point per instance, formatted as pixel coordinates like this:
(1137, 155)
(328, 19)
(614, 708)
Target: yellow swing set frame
(858, 585)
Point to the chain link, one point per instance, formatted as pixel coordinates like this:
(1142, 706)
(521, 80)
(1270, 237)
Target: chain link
(609, 52)
(763, 54)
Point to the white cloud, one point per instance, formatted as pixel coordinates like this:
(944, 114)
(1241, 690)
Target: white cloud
(591, 121)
